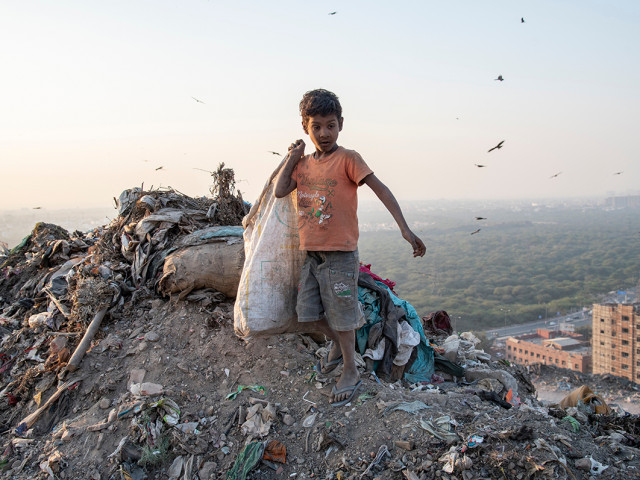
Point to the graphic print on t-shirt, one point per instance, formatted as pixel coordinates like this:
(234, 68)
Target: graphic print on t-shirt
(315, 206)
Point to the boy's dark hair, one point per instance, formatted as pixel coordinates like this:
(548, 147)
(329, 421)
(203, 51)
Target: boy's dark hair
(319, 102)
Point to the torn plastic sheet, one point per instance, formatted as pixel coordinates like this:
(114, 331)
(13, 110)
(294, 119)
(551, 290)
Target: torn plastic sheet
(441, 428)
(596, 467)
(258, 421)
(166, 215)
(410, 407)
(127, 200)
(171, 409)
(58, 282)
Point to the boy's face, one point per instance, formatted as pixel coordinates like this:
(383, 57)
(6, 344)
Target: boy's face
(323, 131)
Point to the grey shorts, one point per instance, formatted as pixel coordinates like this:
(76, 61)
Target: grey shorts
(329, 287)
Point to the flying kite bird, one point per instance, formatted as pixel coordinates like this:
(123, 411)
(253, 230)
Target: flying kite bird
(275, 153)
(199, 101)
(37, 208)
(618, 173)
(332, 13)
(481, 218)
(479, 166)
(554, 176)
(499, 78)
(521, 19)
(159, 168)
(473, 233)
(497, 146)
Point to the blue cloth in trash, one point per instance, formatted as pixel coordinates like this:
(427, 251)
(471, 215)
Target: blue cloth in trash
(219, 231)
(423, 366)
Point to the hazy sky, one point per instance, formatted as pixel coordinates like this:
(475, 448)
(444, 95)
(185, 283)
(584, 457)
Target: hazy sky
(96, 95)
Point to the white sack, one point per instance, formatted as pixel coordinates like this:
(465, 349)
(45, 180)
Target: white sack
(266, 299)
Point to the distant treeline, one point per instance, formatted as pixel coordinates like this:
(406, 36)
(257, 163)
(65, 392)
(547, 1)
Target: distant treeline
(520, 266)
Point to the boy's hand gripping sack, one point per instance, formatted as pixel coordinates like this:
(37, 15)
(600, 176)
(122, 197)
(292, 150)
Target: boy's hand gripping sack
(266, 299)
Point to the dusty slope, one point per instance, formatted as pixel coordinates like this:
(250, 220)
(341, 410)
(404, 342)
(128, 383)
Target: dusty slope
(199, 362)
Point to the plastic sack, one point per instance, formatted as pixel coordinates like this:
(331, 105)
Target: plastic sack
(212, 265)
(266, 299)
(584, 396)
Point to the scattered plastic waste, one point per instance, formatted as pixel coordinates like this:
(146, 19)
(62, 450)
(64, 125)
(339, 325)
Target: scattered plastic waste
(575, 425)
(254, 388)
(275, 451)
(474, 440)
(596, 467)
(410, 407)
(382, 452)
(246, 461)
(309, 420)
(441, 428)
(584, 396)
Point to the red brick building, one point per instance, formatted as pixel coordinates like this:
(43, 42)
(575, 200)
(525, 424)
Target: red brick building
(616, 340)
(562, 349)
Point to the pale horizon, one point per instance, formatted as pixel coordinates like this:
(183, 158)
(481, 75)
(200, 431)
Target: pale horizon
(99, 97)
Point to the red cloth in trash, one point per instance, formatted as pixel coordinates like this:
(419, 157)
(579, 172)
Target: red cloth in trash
(386, 281)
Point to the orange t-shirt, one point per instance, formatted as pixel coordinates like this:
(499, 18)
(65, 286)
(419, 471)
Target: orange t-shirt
(328, 200)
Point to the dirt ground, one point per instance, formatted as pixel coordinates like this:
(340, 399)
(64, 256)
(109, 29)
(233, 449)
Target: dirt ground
(199, 362)
(166, 390)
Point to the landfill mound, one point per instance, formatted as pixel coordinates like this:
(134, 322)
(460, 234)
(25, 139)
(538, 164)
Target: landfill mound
(113, 368)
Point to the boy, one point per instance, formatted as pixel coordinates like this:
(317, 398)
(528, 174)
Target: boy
(327, 182)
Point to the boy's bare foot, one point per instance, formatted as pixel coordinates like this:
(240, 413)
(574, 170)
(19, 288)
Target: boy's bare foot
(344, 388)
(335, 353)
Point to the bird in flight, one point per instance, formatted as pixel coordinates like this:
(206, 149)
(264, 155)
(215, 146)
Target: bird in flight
(499, 78)
(332, 13)
(421, 273)
(555, 175)
(521, 19)
(199, 101)
(159, 168)
(275, 153)
(473, 233)
(481, 218)
(497, 146)
(37, 208)
(479, 166)
(618, 173)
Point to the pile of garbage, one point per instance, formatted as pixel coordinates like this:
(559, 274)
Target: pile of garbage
(616, 390)
(119, 361)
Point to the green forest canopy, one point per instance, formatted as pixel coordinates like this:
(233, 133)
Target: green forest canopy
(523, 264)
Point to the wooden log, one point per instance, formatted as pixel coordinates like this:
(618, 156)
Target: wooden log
(83, 346)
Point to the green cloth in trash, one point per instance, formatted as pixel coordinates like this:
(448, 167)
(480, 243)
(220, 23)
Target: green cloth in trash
(247, 459)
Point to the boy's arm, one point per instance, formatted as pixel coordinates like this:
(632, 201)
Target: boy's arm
(389, 201)
(284, 183)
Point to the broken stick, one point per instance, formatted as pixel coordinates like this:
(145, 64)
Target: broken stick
(83, 346)
(31, 419)
(63, 309)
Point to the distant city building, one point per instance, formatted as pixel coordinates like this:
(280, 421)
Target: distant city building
(627, 201)
(616, 340)
(548, 347)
